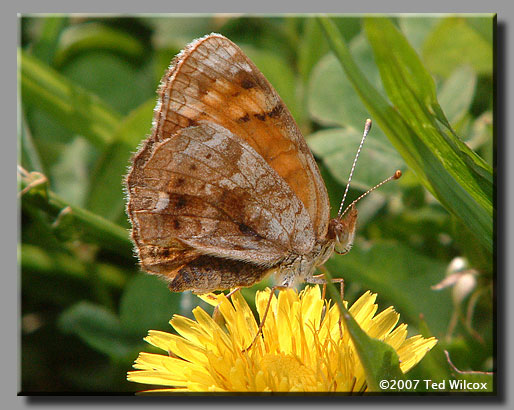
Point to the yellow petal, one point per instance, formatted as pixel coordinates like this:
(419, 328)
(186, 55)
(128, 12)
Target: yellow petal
(383, 323)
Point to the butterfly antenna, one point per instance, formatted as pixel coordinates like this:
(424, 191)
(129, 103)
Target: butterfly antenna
(367, 127)
(396, 175)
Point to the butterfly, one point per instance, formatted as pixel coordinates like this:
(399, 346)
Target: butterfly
(225, 191)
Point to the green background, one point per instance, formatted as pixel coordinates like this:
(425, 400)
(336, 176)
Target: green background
(87, 88)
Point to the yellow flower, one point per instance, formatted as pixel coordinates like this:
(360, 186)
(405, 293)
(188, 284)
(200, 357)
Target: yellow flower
(302, 348)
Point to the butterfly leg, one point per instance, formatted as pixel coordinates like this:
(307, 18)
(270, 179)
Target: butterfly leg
(263, 320)
(229, 294)
(320, 280)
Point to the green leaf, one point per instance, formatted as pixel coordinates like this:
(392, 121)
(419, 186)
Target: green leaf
(278, 35)
(310, 48)
(417, 28)
(334, 187)
(460, 179)
(147, 304)
(332, 99)
(116, 82)
(97, 327)
(106, 196)
(177, 31)
(349, 26)
(55, 264)
(455, 42)
(75, 222)
(30, 157)
(46, 45)
(457, 93)
(483, 24)
(77, 109)
(80, 38)
(379, 360)
(479, 136)
(454, 174)
(70, 174)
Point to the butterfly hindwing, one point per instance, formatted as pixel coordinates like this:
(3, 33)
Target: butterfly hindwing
(196, 188)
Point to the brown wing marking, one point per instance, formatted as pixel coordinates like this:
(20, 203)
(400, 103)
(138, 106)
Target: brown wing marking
(210, 190)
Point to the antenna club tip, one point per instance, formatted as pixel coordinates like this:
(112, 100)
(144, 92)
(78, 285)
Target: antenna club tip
(397, 174)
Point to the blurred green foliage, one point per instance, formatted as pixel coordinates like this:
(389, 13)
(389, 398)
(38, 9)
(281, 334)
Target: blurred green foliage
(87, 94)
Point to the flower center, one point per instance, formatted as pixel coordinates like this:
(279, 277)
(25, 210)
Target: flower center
(286, 365)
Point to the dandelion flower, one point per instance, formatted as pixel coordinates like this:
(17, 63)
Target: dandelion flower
(302, 347)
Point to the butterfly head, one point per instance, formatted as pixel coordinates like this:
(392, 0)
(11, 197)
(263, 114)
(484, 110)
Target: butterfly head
(342, 230)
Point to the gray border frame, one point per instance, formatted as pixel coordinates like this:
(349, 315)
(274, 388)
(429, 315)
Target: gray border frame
(505, 150)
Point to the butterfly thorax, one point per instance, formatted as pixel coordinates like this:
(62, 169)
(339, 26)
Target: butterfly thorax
(301, 268)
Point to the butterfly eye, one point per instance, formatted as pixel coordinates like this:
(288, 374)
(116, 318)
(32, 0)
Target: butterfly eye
(342, 231)
(344, 238)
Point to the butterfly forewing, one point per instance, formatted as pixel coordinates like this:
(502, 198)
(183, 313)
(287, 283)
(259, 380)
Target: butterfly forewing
(215, 81)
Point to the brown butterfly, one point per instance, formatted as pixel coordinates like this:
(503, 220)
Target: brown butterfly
(225, 191)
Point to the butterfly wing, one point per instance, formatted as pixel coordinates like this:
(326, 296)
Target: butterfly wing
(209, 190)
(213, 80)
